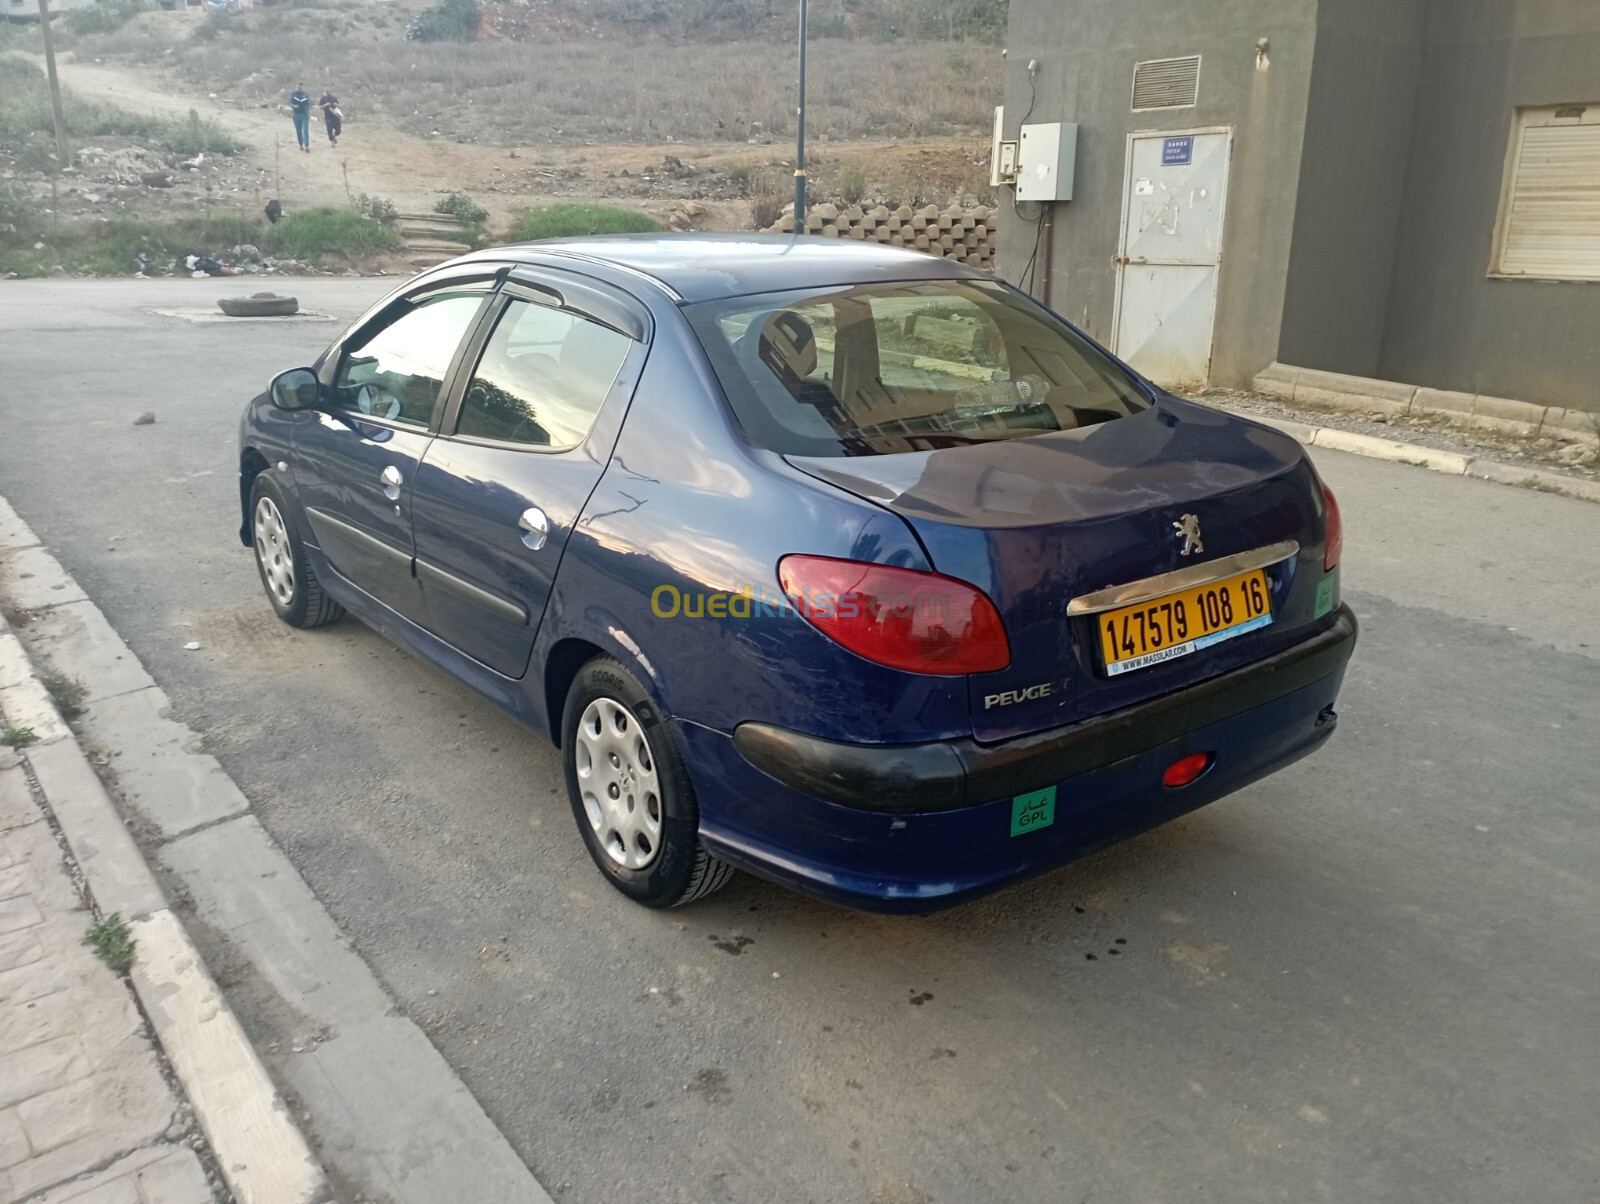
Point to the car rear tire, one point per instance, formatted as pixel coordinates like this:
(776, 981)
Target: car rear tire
(292, 587)
(630, 793)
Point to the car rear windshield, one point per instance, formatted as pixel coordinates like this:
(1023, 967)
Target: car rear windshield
(872, 369)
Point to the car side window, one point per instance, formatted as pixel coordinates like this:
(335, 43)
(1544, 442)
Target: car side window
(542, 378)
(397, 373)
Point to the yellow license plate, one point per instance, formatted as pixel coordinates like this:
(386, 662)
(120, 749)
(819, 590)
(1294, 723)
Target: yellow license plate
(1177, 624)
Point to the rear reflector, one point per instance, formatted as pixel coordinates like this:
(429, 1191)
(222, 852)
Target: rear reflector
(919, 622)
(1333, 547)
(1182, 772)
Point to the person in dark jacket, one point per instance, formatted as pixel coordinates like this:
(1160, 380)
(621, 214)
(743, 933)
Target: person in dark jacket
(332, 117)
(300, 109)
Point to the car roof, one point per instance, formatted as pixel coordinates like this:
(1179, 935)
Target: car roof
(709, 267)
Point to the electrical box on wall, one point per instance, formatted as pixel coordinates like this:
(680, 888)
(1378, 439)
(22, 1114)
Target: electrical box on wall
(1045, 157)
(1002, 154)
(1007, 163)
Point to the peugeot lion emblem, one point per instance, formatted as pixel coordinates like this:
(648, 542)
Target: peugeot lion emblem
(1187, 529)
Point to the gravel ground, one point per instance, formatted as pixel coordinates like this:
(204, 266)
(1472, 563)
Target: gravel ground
(1569, 457)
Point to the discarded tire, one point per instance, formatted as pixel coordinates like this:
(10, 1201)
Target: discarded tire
(261, 305)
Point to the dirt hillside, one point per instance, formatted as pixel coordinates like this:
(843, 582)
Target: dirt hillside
(376, 158)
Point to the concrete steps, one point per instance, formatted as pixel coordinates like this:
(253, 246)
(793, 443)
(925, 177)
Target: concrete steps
(443, 246)
(436, 225)
(430, 238)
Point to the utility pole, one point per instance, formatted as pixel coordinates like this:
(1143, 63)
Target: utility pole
(55, 84)
(799, 132)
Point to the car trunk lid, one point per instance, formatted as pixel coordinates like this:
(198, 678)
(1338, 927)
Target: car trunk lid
(1038, 521)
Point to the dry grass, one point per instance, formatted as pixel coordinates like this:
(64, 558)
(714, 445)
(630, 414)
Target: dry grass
(766, 209)
(769, 20)
(851, 183)
(25, 112)
(611, 90)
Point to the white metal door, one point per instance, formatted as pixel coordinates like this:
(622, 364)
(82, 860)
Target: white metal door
(1171, 246)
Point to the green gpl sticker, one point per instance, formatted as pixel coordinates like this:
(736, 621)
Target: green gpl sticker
(1031, 811)
(1327, 593)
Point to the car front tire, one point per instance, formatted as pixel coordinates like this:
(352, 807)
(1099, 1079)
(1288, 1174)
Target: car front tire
(630, 793)
(286, 575)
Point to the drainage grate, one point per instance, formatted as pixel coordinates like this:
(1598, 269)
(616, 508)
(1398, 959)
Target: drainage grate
(1166, 83)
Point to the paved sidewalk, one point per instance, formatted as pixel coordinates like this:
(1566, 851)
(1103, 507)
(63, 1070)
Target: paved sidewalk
(86, 1113)
(395, 1121)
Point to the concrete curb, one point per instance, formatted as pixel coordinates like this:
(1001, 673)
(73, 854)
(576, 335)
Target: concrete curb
(261, 1153)
(1451, 463)
(1366, 394)
(386, 1109)
(259, 1150)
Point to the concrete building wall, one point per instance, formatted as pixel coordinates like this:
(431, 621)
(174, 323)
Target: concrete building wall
(1086, 51)
(1351, 184)
(1368, 163)
(1449, 325)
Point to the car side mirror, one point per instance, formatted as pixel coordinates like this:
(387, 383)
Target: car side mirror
(296, 389)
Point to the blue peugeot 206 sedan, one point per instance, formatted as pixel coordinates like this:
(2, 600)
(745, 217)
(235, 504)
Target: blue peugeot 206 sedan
(848, 566)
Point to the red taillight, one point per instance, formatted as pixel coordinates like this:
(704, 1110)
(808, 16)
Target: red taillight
(1186, 770)
(1335, 542)
(920, 622)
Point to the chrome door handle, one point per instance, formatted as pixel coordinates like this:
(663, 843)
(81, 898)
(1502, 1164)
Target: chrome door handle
(535, 528)
(392, 480)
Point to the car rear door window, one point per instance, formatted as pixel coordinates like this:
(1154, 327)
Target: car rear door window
(396, 373)
(542, 378)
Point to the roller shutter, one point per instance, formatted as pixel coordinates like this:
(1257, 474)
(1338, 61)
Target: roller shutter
(1550, 217)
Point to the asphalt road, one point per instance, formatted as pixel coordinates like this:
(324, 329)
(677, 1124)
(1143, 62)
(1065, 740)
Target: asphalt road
(1370, 978)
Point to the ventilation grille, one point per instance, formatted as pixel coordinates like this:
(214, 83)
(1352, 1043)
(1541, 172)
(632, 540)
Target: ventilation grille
(1166, 83)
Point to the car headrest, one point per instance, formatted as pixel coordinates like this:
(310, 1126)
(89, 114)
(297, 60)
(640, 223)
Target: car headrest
(788, 346)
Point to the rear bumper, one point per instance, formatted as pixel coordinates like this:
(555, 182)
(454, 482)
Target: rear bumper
(946, 775)
(918, 827)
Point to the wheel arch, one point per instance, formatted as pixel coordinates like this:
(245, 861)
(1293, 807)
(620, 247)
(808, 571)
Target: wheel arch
(570, 653)
(251, 465)
(560, 670)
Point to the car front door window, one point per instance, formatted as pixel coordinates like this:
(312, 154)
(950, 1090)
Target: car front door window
(356, 458)
(396, 373)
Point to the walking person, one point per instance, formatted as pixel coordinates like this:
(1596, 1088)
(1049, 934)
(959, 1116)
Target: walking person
(332, 117)
(300, 109)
